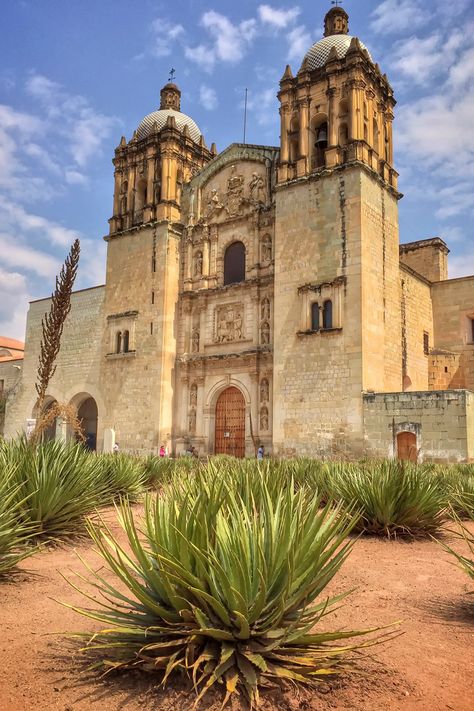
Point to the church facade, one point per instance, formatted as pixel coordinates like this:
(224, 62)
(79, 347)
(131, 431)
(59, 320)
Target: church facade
(261, 296)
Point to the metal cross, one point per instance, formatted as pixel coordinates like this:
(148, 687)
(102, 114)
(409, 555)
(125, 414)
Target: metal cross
(172, 73)
(336, 2)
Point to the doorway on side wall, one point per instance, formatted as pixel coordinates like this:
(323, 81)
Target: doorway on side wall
(230, 423)
(406, 446)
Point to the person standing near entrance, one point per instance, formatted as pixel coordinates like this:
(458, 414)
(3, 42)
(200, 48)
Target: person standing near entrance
(260, 452)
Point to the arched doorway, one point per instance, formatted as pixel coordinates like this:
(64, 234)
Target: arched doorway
(406, 446)
(49, 432)
(230, 423)
(87, 416)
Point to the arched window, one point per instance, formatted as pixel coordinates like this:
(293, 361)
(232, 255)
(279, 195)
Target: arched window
(141, 197)
(118, 342)
(234, 263)
(327, 314)
(126, 339)
(366, 133)
(320, 129)
(315, 317)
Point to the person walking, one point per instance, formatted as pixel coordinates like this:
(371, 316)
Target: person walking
(162, 451)
(260, 452)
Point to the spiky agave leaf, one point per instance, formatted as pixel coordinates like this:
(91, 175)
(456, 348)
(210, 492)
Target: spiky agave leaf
(15, 532)
(466, 563)
(394, 498)
(226, 583)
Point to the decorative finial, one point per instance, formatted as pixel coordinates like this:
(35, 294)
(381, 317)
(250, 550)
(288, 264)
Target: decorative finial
(172, 74)
(336, 2)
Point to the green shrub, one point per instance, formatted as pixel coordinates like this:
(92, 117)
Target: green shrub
(121, 475)
(225, 584)
(467, 564)
(15, 533)
(394, 498)
(57, 483)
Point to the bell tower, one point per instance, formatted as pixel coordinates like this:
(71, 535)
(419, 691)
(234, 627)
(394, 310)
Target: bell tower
(337, 280)
(337, 109)
(142, 279)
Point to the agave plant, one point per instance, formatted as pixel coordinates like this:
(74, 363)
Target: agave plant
(393, 497)
(226, 585)
(15, 533)
(467, 564)
(122, 475)
(58, 484)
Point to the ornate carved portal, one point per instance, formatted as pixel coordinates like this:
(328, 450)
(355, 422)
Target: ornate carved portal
(230, 423)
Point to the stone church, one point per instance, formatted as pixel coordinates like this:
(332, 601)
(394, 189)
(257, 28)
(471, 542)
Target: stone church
(261, 296)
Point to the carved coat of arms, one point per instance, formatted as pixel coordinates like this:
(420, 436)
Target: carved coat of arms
(228, 323)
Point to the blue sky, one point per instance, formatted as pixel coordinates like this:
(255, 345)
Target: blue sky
(78, 74)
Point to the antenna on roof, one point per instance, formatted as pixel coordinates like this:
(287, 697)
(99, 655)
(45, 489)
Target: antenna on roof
(172, 74)
(245, 114)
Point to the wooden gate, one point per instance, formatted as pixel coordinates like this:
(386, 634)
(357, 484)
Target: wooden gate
(406, 446)
(230, 423)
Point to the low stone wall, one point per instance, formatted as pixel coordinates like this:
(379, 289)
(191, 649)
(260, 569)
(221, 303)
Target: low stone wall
(442, 420)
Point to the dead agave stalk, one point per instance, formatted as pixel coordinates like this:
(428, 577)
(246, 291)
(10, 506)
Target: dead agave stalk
(52, 327)
(68, 413)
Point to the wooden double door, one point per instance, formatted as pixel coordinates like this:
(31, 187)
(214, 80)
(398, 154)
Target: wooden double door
(230, 423)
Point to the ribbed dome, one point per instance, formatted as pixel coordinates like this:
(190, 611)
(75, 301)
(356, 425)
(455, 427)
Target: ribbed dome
(161, 116)
(318, 55)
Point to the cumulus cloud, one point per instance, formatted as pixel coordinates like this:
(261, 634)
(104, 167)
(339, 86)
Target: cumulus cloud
(229, 41)
(208, 97)
(14, 299)
(165, 34)
(23, 256)
(277, 17)
(299, 41)
(394, 16)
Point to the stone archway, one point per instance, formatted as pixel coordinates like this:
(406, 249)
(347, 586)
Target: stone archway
(230, 423)
(49, 433)
(87, 415)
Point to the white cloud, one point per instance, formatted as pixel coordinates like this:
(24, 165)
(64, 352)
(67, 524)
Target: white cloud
(165, 35)
(201, 55)
(277, 18)
(394, 16)
(264, 106)
(18, 219)
(14, 299)
(299, 41)
(23, 256)
(208, 97)
(461, 264)
(230, 41)
(421, 59)
(74, 177)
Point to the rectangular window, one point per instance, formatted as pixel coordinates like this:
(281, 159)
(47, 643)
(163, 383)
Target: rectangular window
(152, 297)
(153, 264)
(2, 386)
(426, 343)
(151, 328)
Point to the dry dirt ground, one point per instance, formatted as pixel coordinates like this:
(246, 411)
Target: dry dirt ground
(429, 667)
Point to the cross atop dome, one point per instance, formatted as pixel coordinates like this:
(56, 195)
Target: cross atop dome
(336, 21)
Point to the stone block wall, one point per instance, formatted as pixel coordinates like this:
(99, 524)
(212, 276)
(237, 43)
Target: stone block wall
(427, 257)
(78, 362)
(442, 421)
(416, 329)
(453, 318)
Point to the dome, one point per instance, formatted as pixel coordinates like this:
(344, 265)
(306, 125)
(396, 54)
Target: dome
(318, 55)
(161, 117)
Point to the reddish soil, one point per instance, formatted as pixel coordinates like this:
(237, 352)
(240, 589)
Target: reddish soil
(428, 667)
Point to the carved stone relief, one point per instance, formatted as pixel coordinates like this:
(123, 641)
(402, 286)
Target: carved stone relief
(264, 418)
(265, 333)
(266, 248)
(193, 394)
(195, 341)
(198, 264)
(192, 420)
(265, 309)
(239, 197)
(228, 323)
(264, 390)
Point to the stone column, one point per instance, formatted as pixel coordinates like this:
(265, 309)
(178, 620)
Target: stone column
(189, 259)
(285, 127)
(303, 110)
(388, 123)
(332, 117)
(370, 118)
(206, 257)
(150, 198)
(353, 134)
(117, 187)
(165, 177)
